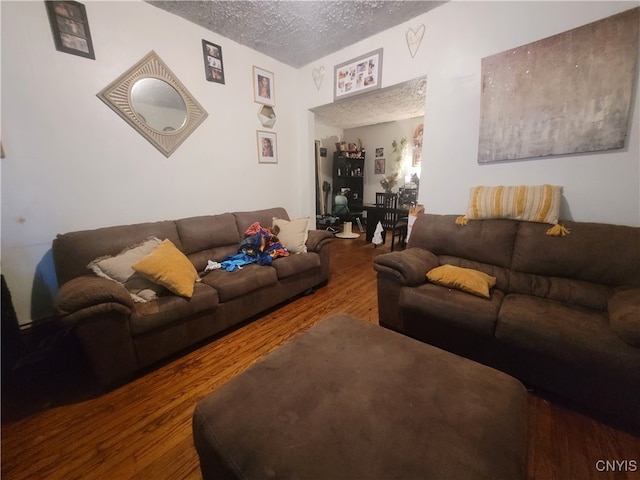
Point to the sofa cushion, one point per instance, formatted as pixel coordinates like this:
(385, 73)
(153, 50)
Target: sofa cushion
(118, 268)
(207, 232)
(561, 335)
(169, 309)
(591, 253)
(217, 254)
(465, 279)
(292, 233)
(565, 290)
(294, 264)
(73, 251)
(234, 284)
(169, 267)
(486, 241)
(264, 217)
(624, 315)
(458, 308)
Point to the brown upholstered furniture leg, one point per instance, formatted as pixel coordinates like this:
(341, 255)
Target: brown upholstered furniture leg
(348, 399)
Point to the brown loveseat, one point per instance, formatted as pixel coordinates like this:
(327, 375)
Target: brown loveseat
(564, 314)
(121, 336)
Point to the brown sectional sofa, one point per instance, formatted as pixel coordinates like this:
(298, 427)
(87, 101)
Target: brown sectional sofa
(121, 336)
(563, 316)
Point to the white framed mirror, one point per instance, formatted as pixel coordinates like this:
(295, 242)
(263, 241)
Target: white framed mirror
(151, 99)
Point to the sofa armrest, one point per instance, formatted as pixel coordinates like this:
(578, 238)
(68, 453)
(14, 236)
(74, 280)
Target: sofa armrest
(90, 295)
(317, 239)
(99, 309)
(408, 267)
(624, 315)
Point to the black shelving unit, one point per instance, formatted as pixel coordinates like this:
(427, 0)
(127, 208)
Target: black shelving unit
(348, 172)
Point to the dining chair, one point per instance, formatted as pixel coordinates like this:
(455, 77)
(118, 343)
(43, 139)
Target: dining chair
(392, 221)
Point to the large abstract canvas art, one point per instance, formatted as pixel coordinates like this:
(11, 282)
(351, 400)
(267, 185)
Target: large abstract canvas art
(565, 94)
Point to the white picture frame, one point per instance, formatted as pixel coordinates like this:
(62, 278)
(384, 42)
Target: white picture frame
(267, 143)
(263, 87)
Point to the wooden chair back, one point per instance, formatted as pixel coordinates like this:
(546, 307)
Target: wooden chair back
(388, 200)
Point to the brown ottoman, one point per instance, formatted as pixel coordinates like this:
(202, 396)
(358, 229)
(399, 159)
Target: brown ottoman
(351, 400)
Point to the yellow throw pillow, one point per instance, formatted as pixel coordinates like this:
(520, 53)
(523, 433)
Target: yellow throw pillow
(465, 279)
(169, 267)
(540, 203)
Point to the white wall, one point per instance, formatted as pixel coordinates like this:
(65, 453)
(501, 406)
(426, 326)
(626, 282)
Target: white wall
(602, 186)
(71, 163)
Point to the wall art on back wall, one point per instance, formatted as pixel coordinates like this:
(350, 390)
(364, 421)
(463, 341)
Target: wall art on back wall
(213, 67)
(70, 28)
(565, 94)
(417, 157)
(358, 75)
(417, 136)
(263, 87)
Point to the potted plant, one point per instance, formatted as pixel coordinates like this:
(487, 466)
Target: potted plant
(390, 181)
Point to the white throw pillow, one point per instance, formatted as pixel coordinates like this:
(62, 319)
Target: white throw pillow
(118, 268)
(292, 233)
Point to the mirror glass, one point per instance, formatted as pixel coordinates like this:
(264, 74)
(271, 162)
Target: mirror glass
(158, 104)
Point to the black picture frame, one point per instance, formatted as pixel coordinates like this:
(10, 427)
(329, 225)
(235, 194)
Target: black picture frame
(70, 28)
(213, 66)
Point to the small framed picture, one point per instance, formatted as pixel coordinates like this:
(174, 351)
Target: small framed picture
(380, 152)
(267, 147)
(213, 68)
(70, 28)
(263, 87)
(417, 158)
(379, 166)
(417, 136)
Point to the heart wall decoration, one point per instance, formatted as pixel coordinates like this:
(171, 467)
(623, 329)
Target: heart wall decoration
(318, 75)
(414, 39)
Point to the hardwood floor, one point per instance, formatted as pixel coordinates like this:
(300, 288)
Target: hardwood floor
(59, 426)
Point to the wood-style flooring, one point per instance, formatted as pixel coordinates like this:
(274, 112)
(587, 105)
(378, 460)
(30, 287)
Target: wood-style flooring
(57, 425)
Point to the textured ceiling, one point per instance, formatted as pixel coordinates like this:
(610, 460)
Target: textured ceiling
(398, 102)
(296, 32)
